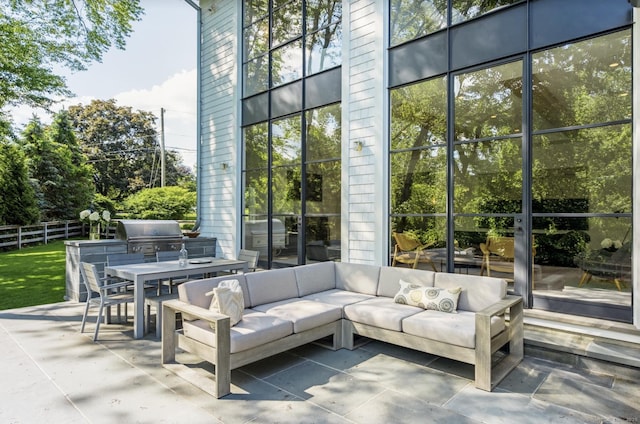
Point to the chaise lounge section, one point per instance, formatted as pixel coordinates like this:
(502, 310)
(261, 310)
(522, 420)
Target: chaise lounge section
(286, 308)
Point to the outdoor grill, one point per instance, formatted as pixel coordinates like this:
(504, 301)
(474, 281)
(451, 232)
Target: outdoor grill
(149, 236)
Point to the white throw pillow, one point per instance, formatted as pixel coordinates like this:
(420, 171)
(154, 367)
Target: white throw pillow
(228, 300)
(444, 300)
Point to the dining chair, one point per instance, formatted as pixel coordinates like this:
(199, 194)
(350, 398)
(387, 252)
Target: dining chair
(251, 257)
(411, 251)
(116, 259)
(102, 292)
(164, 256)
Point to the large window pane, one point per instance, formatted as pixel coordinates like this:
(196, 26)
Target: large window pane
(488, 177)
(255, 76)
(430, 232)
(324, 49)
(463, 10)
(323, 187)
(413, 19)
(287, 23)
(254, 9)
(256, 142)
(419, 115)
(256, 39)
(419, 181)
(324, 133)
(286, 64)
(583, 83)
(584, 171)
(286, 142)
(321, 13)
(488, 103)
(285, 186)
(255, 194)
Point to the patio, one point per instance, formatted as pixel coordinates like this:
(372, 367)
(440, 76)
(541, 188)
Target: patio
(53, 373)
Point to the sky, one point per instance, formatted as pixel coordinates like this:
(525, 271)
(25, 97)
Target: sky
(156, 70)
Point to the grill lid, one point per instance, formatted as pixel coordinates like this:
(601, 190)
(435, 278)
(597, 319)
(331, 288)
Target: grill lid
(132, 229)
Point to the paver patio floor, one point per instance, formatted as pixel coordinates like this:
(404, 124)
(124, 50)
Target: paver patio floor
(51, 373)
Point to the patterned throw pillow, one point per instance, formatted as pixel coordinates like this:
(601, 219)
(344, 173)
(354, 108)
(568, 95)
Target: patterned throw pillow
(444, 300)
(227, 300)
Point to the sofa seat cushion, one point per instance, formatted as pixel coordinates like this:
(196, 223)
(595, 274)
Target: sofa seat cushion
(338, 297)
(304, 314)
(457, 329)
(255, 329)
(380, 312)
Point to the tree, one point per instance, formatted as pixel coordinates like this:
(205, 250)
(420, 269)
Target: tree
(36, 35)
(18, 205)
(122, 146)
(160, 203)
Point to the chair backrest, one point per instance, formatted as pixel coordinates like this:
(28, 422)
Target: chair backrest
(116, 259)
(91, 277)
(501, 246)
(167, 255)
(251, 256)
(405, 242)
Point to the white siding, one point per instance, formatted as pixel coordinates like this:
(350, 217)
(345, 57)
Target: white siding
(363, 104)
(220, 125)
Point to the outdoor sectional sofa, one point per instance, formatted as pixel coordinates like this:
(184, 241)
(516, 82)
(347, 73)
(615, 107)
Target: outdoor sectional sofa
(286, 308)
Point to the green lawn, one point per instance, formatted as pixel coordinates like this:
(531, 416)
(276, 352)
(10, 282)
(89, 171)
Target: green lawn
(32, 276)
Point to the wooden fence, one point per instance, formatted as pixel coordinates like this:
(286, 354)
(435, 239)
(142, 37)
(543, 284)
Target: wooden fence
(17, 237)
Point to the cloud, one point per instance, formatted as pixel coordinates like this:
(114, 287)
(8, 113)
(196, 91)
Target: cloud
(177, 95)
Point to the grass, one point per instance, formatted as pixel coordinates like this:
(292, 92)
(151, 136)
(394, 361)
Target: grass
(32, 276)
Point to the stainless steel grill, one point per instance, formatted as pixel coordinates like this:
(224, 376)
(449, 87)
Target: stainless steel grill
(149, 235)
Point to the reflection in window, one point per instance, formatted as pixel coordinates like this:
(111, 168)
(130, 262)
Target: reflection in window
(287, 23)
(256, 39)
(324, 133)
(256, 145)
(286, 63)
(324, 49)
(255, 76)
(320, 13)
(590, 167)
(285, 141)
(488, 103)
(254, 9)
(463, 10)
(583, 83)
(488, 177)
(413, 19)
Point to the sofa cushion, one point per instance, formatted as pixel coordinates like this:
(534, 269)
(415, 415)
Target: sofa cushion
(227, 299)
(478, 292)
(315, 278)
(457, 329)
(271, 286)
(359, 278)
(255, 329)
(338, 297)
(194, 292)
(380, 312)
(304, 314)
(390, 276)
(433, 298)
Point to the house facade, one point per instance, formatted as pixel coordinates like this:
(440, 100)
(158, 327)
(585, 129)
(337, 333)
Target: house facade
(500, 138)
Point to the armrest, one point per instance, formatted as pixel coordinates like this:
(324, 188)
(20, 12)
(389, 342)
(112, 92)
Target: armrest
(501, 306)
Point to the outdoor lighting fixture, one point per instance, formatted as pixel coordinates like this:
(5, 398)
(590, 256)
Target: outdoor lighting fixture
(225, 166)
(358, 145)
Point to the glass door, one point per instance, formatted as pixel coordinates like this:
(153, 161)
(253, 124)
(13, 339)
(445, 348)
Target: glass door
(488, 202)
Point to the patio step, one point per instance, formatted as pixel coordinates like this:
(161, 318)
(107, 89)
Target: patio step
(552, 336)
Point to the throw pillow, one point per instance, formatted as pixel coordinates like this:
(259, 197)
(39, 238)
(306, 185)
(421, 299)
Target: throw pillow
(438, 299)
(228, 300)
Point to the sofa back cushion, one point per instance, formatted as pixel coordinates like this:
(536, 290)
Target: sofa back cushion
(388, 284)
(359, 278)
(271, 286)
(194, 292)
(477, 292)
(315, 278)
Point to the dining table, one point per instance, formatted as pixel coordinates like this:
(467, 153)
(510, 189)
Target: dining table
(144, 272)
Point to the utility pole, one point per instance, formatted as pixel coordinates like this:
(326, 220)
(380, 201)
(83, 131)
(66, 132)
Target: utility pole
(162, 153)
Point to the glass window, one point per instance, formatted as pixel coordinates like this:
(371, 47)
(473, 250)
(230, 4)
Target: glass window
(419, 181)
(413, 19)
(254, 9)
(583, 171)
(488, 103)
(255, 76)
(287, 23)
(256, 39)
(583, 83)
(286, 142)
(324, 49)
(321, 13)
(462, 10)
(324, 133)
(286, 63)
(256, 146)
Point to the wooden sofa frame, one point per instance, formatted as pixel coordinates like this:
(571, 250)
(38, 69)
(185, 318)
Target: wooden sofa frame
(487, 375)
